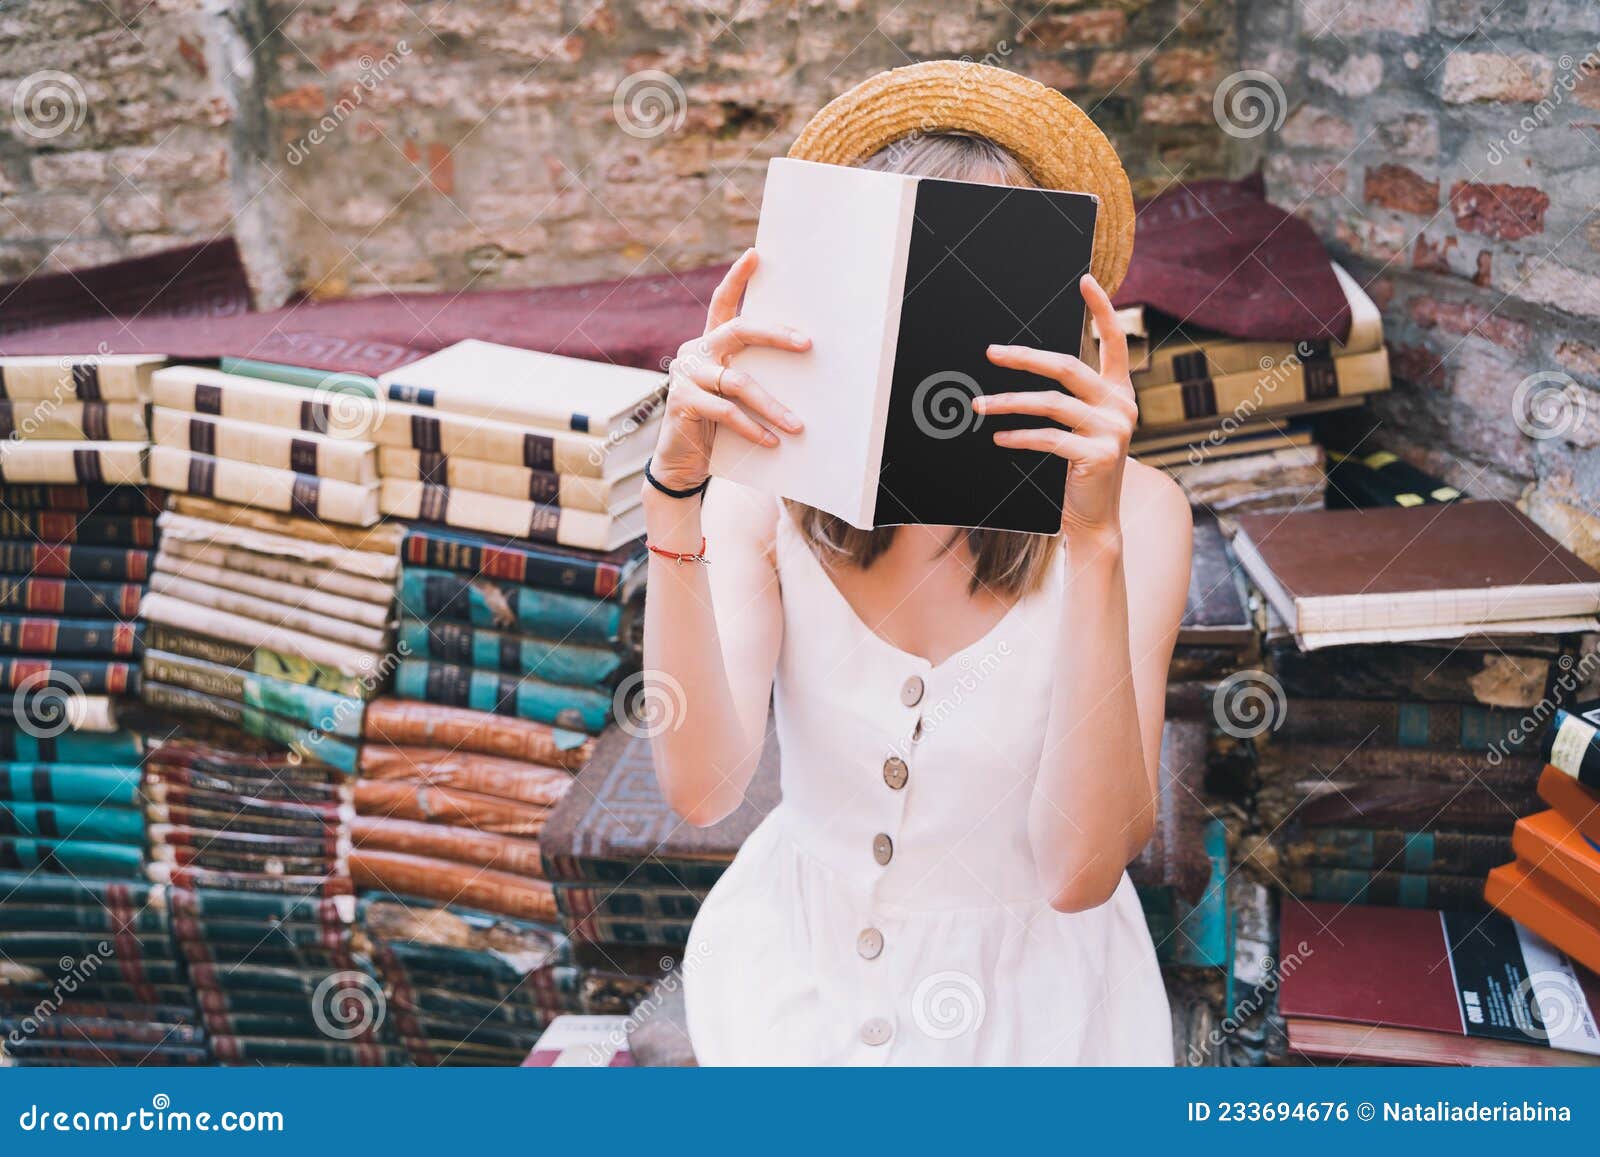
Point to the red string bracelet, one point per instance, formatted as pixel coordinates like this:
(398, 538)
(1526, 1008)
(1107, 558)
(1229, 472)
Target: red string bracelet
(676, 556)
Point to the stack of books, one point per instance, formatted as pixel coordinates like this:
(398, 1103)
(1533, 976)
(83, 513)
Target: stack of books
(91, 975)
(1407, 650)
(468, 987)
(1229, 418)
(75, 420)
(265, 444)
(1553, 885)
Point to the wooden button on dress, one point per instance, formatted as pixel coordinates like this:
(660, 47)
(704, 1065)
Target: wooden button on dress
(876, 1031)
(895, 772)
(911, 691)
(869, 943)
(882, 848)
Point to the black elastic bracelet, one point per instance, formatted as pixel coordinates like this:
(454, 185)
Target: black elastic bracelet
(669, 491)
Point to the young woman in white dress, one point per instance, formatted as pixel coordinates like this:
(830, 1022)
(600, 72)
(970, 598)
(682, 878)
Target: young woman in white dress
(969, 721)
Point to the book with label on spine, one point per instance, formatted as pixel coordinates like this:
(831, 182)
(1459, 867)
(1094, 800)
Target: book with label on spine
(1391, 889)
(70, 783)
(1398, 850)
(359, 545)
(94, 463)
(429, 595)
(487, 380)
(79, 529)
(338, 405)
(407, 724)
(257, 660)
(193, 878)
(617, 575)
(450, 806)
(308, 742)
(1578, 804)
(22, 634)
(522, 696)
(1465, 726)
(322, 711)
(269, 614)
(93, 822)
(281, 571)
(1572, 742)
(489, 440)
(308, 599)
(1273, 390)
(340, 381)
(92, 563)
(1380, 478)
(19, 746)
(287, 547)
(46, 420)
(80, 499)
(437, 841)
(302, 452)
(513, 517)
(283, 491)
(901, 283)
(80, 857)
(512, 779)
(91, 676)
(468, 646)
(569, 491)
(91, 378)
(486, 889)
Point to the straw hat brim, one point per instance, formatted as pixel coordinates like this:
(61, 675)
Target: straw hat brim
(1053, 138)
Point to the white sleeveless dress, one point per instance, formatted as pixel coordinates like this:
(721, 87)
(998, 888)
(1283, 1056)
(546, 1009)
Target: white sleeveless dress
(888, 911)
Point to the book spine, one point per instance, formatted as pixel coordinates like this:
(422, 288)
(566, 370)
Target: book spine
(253, 907)
(88, 379)
(74, 421)
(308, 743)
(429, 594)
(468, 646)
(92, 463)
(271, 591)
(544, 487)
(79, 857)
(1263, 391)
(495, 514)
(282, 491)
(318, 710)
(70, 597)
(511, 779)
(307, 1052)
(525, 698)
(275, 615)
(459, 845)
(1572, 744)
(116, 897)
(80, 499)
(1391, 889)
(428, 804)
(407, 724)
(1413, 853)
(112, 825)
(106, 1031)
(93, 563)
(91, 919)
(27, 635)
(86, 676)
(327, 845)
(377, 544)
(246, 882)
(525, 565)
(460, 436)
(219, 860)
(256, 660)
(481, 888)
(195, 618)
(79, 528)
(18, 746)
(289, 574)
(346, 460)
(579, 902)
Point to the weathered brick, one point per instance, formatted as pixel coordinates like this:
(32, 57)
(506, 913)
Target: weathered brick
(1413, 135)
(1580, 358)
(1504, 212)
(1468, 319)
(1492, 76)
(1312, 127)
(1183, 68)
(1545, 281)
(1341, 18)
(1114, 69)
(1397, 187)
(1167, 108)
(1077, 29)
(1357, 75)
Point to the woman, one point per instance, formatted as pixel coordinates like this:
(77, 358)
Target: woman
(970, 721)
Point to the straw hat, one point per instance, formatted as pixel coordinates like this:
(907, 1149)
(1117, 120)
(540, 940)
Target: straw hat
(1053, 138)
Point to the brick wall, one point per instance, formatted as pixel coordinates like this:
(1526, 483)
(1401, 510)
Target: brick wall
(1451, 153)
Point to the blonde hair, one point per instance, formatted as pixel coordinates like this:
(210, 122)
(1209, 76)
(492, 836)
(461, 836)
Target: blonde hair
(1003, 562)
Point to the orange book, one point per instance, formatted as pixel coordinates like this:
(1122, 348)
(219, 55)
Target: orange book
(1558, 914)
(1554, 848)
(1578, 804)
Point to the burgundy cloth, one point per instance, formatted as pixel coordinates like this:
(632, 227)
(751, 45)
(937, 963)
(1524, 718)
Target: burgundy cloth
(195, 281)
(638, 322)
(1218, 255)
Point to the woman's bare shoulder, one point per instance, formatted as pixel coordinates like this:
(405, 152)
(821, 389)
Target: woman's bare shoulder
(1153, 502)
(740, 517)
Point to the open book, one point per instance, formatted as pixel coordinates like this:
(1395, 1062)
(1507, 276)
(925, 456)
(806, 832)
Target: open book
(902, 283)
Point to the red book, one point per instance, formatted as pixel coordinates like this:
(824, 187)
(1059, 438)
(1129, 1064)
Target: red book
(1579, 805)
(1415, 986)
(1567, 918)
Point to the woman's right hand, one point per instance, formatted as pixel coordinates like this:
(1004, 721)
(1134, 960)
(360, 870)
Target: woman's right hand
(704, 392)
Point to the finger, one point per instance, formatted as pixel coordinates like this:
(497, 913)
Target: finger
(722, 412)
(725, 301)
(740, 333)
(737, 384)
(1068, 371)
(1056, 405)
(1113, 343)
(1048, 440)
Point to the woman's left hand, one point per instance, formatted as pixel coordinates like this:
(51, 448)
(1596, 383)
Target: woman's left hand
(1097, 407)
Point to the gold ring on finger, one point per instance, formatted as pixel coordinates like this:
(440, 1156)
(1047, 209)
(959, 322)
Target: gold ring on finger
(716, 387)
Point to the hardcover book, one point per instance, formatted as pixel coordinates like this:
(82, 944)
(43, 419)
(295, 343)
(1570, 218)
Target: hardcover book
(1553, 846)
(512, 517)
(616, 575)
(487, 380)
(101, 378)
(902, 283)
(1579, 805)
(1569, 918)
(1572, 742)
(64, 463)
